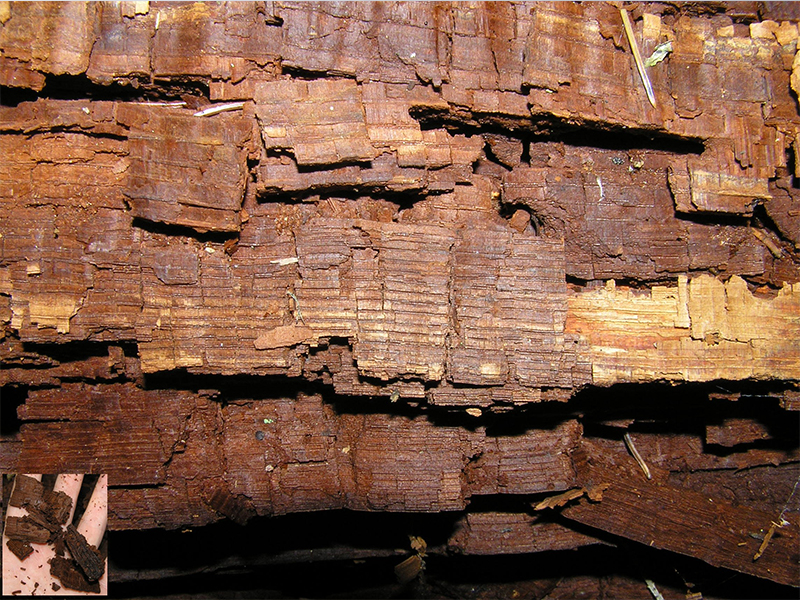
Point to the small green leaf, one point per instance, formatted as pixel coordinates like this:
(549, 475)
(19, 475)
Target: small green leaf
(660, 53)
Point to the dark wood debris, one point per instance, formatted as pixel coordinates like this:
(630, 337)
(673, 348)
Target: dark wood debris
(26, 529)
(71, 576)
(21, 549)
(85, 555)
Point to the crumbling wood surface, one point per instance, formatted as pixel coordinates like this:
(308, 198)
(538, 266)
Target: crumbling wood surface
(430, 258)
(664, 516)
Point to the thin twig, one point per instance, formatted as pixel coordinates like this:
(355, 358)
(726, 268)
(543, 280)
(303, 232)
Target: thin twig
(637, 57)
(776, 251)
(298, 316)
(781, 522)
(175, 104)
(653, 589)
(219, 108)
(772, 527)
(636, 456)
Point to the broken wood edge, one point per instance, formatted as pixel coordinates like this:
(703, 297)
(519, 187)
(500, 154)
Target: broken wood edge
(285, 336)
(594, 492)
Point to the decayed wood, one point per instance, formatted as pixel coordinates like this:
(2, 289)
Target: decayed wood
(20, 549)
(68, 573)
(514, 533)
(435, 216)
(681, 520)
(86, 555)
(26, 529)
(305, 457)
(691, 332)
(197, 180)
(26, 489)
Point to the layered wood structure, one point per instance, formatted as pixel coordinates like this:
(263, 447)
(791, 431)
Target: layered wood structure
(407, 231)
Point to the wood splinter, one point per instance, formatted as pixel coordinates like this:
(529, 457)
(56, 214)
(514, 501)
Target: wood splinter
(411, 567)
(637, 57)
(773, 526)
(213, 110)
(636, 456)
(298, 316)
(781, 522)
(775, 250)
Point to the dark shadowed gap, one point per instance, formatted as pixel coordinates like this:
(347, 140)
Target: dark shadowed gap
(276, 560)
(182, 231)
(548, 128)
(13, 96)
(79, 87)
(11, 397)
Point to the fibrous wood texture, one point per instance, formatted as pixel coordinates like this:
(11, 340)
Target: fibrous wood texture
(273, 257)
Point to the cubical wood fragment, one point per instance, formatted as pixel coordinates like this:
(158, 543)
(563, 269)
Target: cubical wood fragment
(26, 530)
(70, 575)
(185, 170)
(308, 457)
(237, 509)
(732, 432)
(58, 505)
(321, 122)
(26, 490)
(791, 400)
(27, 56)
(392, 152)
(86, 555)
(617, 213)
(729, 333)
(704, 191)
(44, 518)
(21, 550)
(102, 436)
(510, 305)
(394, 273)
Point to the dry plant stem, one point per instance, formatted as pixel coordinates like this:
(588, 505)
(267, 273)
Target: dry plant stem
(637, 457)
(781, 522)
(298, 316)
(219, 108)
(773, 526)
(653, 589)
(637, 57)
(776, 251)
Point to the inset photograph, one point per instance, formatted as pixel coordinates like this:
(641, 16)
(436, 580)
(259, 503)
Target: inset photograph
(54, 535)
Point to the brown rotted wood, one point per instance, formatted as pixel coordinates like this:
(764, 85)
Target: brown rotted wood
(680, 520)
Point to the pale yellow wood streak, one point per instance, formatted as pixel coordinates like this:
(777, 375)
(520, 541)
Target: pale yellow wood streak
(636, 336)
